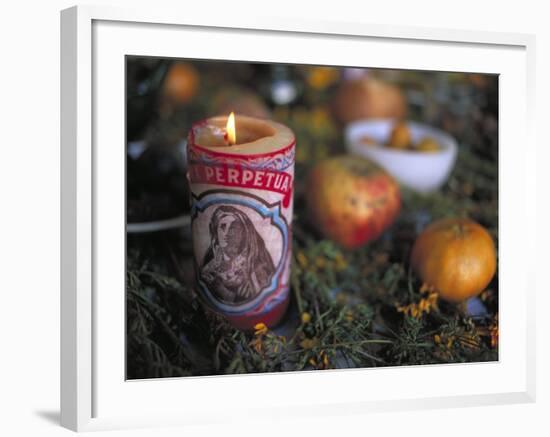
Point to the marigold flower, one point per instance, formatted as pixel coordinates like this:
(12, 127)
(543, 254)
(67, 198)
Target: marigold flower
(426, 303)
(325, 359)
(320, 262)
(424, 306)
(470, 341)
(403, 309)
(302, 259)
(260, 329)
(257, 345)
(381, 258)
(493, 332)
(321, 77)
(340, 262)
(308, 343)
(320, 118)
(342, 298)
(494, 337)
(424, 288)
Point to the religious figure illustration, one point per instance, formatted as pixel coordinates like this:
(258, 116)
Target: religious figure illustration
(237, 266)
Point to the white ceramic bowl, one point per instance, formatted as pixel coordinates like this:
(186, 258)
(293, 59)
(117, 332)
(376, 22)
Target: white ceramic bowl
(421, 171)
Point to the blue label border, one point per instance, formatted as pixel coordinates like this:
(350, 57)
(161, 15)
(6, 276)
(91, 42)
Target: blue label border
(272, 211)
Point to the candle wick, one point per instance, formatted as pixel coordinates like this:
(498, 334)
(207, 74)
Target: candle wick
(226, 139)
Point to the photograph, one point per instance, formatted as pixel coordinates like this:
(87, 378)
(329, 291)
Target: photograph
(292, 217)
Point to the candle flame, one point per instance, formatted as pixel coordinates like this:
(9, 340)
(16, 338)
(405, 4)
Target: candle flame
(231, 131)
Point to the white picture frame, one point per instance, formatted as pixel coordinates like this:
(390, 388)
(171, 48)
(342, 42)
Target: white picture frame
(94, 41)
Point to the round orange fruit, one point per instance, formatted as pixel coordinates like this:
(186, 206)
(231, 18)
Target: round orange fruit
(181, 83)
(351, 200)
(368, 98)
(456, 256)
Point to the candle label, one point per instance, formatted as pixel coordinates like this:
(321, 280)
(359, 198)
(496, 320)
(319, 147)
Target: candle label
(236, 176)
(241, 210)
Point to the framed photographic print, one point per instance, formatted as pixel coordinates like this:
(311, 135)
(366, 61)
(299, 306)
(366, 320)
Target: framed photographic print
(254, 212)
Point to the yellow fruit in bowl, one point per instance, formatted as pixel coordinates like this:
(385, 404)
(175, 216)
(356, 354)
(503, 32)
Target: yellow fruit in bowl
(427, 145)
(351, 200)
(400, 137)
(456, 256)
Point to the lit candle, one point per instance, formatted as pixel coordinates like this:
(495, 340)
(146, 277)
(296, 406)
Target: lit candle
(230, 129)
(241, 174)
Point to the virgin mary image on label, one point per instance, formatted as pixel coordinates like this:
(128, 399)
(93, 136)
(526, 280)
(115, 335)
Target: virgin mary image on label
(237, 266)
